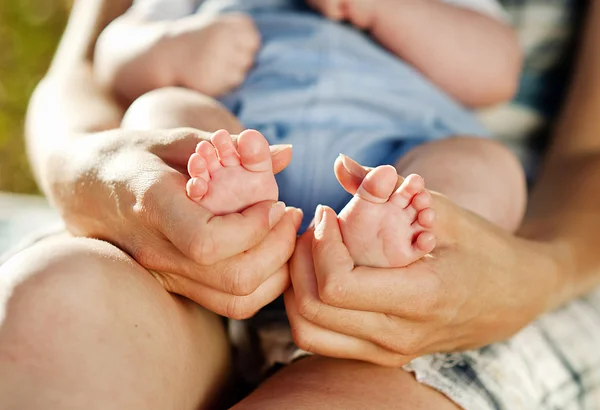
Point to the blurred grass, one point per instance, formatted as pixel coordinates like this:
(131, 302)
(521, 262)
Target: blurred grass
(29, 33)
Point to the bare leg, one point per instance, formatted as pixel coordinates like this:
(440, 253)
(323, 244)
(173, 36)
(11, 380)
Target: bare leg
(324, 383)
(179, 107)
(478, 174)
(84, 326)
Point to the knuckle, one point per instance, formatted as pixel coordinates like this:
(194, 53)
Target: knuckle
(238, 308)
(144, 255)
(243, 283)
(303, 339)
(408, 347)
(308, 308)
(396, 361)
(333, 290)
(203, 249)
(410, 344)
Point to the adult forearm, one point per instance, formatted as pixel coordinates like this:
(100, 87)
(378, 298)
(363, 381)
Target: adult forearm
(471, 56)
(68, 103)
(565, 205)
(65, 106)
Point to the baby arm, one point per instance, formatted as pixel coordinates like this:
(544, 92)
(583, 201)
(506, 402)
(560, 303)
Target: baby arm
(471, 56)
(211, 55)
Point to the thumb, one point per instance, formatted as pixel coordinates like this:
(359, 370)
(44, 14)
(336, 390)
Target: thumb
(349, 173)
(281, 156)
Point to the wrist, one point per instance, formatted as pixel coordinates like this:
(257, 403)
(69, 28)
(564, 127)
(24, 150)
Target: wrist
(551, 263)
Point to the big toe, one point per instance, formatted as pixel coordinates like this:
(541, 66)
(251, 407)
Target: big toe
(378, 185)
(254, 151)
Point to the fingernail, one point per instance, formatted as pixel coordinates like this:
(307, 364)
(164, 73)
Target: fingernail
(297, 214)
(319, 214)
(276, 149)
(276, 213)
(353, 167)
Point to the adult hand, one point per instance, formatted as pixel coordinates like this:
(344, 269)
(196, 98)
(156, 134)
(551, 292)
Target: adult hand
(479, 285)
(128, 188)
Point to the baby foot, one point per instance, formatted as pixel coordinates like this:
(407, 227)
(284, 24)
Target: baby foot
(226, 180)
(387, 227)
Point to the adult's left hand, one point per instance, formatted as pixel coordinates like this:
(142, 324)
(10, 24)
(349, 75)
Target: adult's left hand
(479, 285)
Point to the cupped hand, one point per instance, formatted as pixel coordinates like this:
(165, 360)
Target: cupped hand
(128, 188)
(480, 285)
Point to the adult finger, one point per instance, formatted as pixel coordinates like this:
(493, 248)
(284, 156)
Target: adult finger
(412, 293)
(332, 261)
(350, 174)
(318, 340)
(208, 239)
(240, 275)
(391, 333)
(224, 304)
(281, 156)
(245, 272)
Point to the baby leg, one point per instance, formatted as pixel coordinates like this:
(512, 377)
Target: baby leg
(225, 178)
(390, 231)
(174, 107)
(478, 174)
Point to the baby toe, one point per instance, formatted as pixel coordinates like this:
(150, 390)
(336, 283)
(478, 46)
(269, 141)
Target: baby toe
(196, 188)
(426, 218)
(425, 242)
(412, 185)
(207, 151)
(197, 167)
(421, 201)
(225, 149)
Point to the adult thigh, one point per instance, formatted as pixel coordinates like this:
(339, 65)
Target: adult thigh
(84, 326)
(324, 383)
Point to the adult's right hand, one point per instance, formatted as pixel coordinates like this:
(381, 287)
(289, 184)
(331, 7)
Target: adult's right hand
(128, 188)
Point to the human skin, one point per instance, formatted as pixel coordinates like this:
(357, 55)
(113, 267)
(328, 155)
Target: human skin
(134, 56)
(473, 57)
(482, 286)
(96, 281)
(150, 216)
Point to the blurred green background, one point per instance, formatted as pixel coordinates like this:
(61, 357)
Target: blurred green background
(29, 33)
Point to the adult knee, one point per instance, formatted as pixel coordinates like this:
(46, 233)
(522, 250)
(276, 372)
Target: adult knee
(79, 313)
(67, 281)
